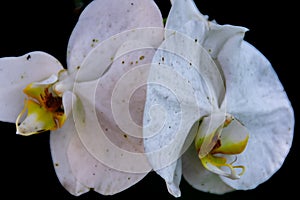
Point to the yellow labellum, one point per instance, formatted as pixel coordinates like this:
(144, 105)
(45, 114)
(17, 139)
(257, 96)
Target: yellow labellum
(44, 110)
(229, 138)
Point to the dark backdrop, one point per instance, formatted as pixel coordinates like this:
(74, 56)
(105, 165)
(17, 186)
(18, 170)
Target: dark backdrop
(29, 25)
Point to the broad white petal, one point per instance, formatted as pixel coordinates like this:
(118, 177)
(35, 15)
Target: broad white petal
(256, 97)
(16, 73)
(94, 174)
(199, 177)
(113, 109)
(59, 142)
(179, 92)
(102, 19)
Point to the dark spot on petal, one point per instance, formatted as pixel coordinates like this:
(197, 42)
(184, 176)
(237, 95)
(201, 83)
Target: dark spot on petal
(28, 57)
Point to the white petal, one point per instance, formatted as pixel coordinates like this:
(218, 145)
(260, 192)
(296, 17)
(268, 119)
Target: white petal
(59, 142)
(257, 99)
(119, 89)
(178, 94)
(181, 12)
(103, 19)
(173, 179)
(199, 177)
(186, 18)
(113, 105)
(16, 73)
(217, 36)
(94, 174)
(99, 60)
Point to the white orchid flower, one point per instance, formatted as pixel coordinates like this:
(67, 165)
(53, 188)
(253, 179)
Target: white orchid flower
(82, 105)
(215, 111)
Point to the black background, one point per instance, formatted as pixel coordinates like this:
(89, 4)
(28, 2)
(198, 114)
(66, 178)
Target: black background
(26, 26)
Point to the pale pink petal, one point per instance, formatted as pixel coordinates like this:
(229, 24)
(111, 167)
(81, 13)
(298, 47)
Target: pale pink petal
(102, 19)
(59, 143)
(96, 175)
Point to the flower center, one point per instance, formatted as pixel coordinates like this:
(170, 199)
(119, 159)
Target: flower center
(44, 108)
(221, 137)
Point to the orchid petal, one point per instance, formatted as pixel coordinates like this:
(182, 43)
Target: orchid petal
(102, 19)
(199, 177)
(97, 99)
(95, 175)
(182, 12)
(59, 142)
(105, 100)
(120, 151)
(180, 82)
(173, 179)
(266, 112)
(16, 74)
(99, 60)
(185, 17)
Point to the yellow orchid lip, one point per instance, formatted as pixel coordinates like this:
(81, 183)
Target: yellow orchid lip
(229, 137)
(44, 109)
